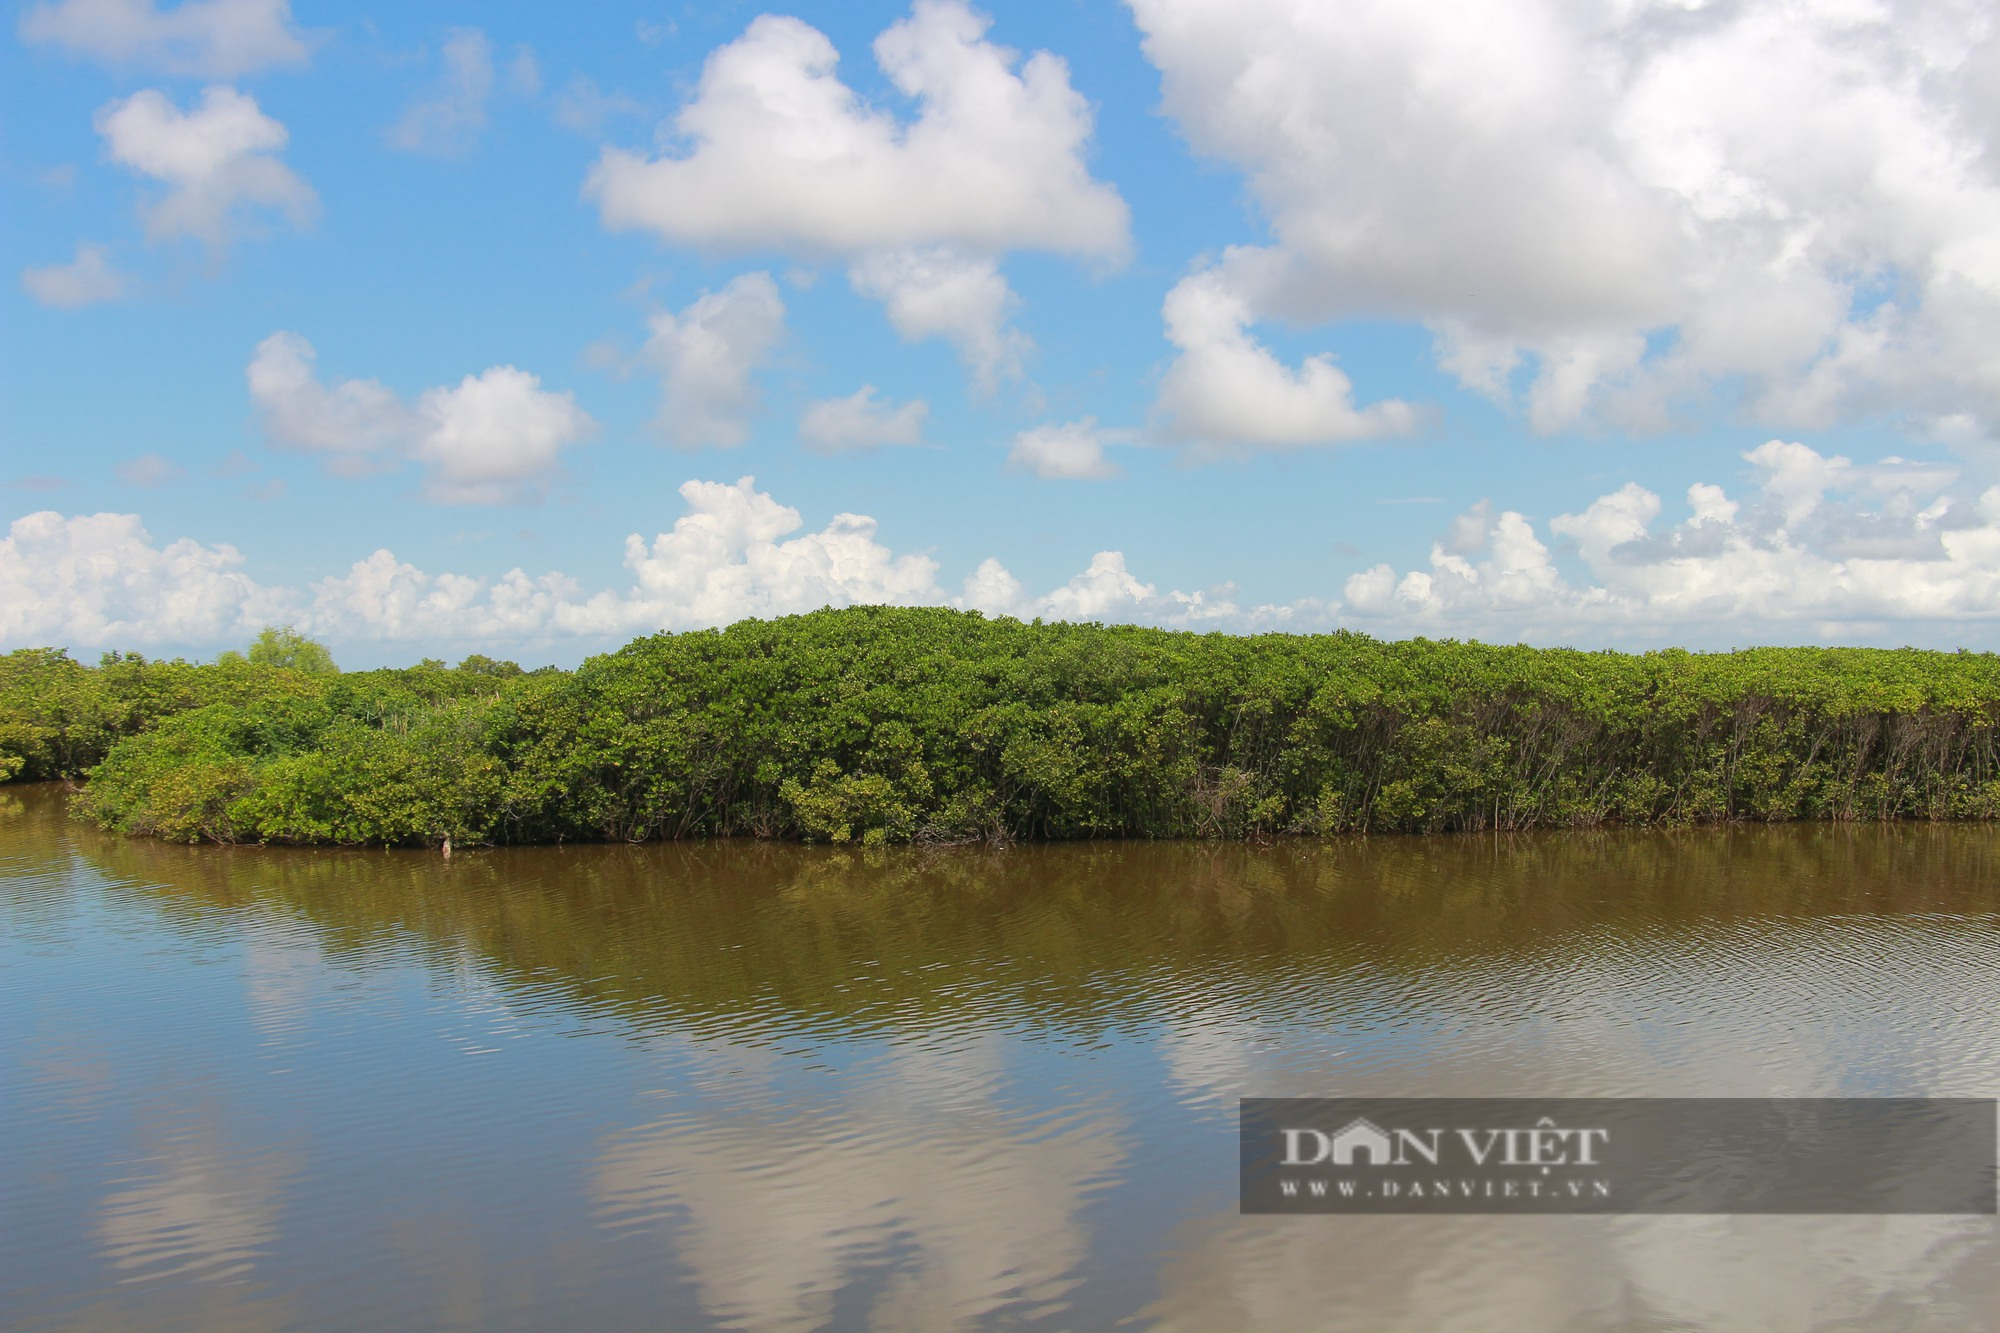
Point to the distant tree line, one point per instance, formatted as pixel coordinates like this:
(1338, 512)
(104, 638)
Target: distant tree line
(875, 724)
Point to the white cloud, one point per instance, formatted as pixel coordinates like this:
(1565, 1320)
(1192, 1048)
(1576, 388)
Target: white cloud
(495, 438)
(383, 598)
(86, 280)
(993, 589)
(1824, 548)
(1821, 549)
(705, 356)
(781, 154)
(1627, 203)
(451, 118)
(1108, 591)
(219, 39)
(98, 580)
(778, 153)
(1105, 588)
(1227, 389)
(350, 423)
(216, 161)
(735, 552)
(1070, 449)
(938, 292)
(860, 421)
(722, 561)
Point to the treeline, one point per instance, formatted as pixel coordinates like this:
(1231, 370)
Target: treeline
(887, 725)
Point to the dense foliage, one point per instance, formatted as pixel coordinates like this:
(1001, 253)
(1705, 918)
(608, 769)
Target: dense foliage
(284, 646)
(878, 724)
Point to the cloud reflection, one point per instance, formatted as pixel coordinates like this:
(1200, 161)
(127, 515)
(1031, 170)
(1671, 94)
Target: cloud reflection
(201, 1213)
(1603, 1013)
(916, 1187)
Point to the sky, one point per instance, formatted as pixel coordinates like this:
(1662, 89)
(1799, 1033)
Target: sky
(525, 330)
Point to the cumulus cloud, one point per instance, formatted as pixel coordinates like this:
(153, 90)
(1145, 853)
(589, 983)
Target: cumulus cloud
(99, 580)
(383, 598)
(1106, 590)
(724, 557)
(723, 560)
(216, 161)
(705, 356)
(734, 552)
(352, 423)
(939, 292)
(1819, 548)
(1615, 208)
(861, 421)
(86, 280)
(1227, 389)
(779, 153)
(776, 152)
(451, 117)
(1822, 545)
(219, 39)
(1071, 450)
(495, 438)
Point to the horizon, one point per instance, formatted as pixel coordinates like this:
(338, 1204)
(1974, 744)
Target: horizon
(111, 656)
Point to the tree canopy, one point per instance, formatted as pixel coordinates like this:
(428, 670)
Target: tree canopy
(877, 724)
(284, 647)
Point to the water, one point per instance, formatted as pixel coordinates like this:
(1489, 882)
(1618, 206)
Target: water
(773, 1087)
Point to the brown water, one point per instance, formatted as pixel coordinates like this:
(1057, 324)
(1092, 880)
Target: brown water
(771, 1087)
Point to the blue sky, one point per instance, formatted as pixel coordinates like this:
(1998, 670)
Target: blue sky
(399, 324)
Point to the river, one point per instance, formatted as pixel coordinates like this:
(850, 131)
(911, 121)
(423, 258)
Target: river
(762, 1086)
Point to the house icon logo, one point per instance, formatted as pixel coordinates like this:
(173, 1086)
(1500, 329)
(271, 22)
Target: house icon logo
(1362, 1136)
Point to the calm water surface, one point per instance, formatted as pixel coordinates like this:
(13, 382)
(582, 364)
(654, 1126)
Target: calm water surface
(772, 1087)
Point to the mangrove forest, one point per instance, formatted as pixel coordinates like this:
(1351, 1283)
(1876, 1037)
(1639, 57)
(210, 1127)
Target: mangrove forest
(878, 724)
